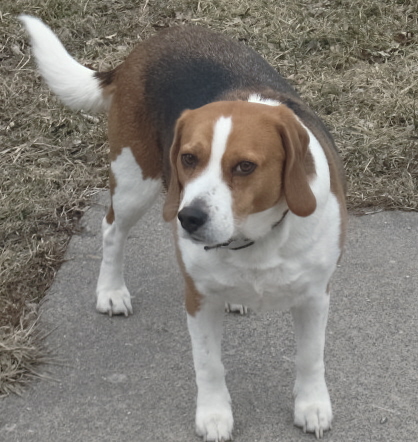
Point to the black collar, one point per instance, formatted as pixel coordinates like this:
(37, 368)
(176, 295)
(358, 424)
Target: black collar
(239, 244)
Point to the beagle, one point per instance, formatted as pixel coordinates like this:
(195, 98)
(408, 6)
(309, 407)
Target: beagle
(255, 193)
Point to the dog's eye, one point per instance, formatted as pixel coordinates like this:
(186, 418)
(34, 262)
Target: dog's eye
(244, 168)
(188, 160)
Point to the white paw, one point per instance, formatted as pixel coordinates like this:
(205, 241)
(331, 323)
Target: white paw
(236, 308)
(214, 424)
(313, 412)
(114, 302)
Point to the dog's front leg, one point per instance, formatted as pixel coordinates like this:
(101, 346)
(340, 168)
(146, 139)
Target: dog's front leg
(214, 419)
(312, 402)
(131, 197)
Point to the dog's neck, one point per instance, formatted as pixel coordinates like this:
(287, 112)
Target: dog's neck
(242, 243)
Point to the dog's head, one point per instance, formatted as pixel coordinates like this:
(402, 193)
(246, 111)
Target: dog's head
(232, 165)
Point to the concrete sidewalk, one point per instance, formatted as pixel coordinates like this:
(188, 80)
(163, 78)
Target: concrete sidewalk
(131, 379)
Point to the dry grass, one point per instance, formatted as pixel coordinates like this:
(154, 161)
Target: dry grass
(21, 352)
(355, 61)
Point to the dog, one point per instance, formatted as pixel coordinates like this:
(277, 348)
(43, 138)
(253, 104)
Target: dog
(255, 191)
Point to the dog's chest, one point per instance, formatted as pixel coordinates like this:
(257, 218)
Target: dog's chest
(260, 289)
(274, 282)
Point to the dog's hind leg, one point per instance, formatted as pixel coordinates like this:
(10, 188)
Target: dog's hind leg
(132, 196)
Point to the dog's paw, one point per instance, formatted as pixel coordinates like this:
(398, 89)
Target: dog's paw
(214, 424)
(114, 302)
(313, 414)
(236, 308)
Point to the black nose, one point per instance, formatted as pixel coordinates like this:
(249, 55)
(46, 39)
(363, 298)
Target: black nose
(191, 218)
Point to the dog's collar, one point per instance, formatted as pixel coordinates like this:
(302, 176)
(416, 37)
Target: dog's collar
(241, 243)
(232, 244)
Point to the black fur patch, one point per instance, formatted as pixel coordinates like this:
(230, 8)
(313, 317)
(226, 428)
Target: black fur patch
(195, 67)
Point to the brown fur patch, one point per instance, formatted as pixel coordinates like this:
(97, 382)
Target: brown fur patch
(254, 138)
(130, 124)
(193, 299)
(196, 139)
(107, 81)
(106, 78)
(295, 139)
(110, 216)
(272, 138)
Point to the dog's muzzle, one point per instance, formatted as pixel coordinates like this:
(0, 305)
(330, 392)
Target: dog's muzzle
(193, 217)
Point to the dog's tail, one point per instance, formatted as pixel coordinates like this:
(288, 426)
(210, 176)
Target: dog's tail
(76, 85)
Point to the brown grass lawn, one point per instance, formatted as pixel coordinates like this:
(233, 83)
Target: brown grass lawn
(354, 61)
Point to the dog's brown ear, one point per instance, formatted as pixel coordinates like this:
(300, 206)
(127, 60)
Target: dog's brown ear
(172, 200)
(298, 165)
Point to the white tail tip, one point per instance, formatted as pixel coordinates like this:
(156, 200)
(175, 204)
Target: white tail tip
(76, 85)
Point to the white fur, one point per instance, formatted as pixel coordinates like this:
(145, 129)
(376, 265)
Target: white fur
(257, 98)
(210, 189)
(74, 84)
(214, 421)
(313, 410)
(288, 267)
(132, 197)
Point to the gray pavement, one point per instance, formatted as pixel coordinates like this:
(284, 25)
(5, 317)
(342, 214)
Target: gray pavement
(131, 379)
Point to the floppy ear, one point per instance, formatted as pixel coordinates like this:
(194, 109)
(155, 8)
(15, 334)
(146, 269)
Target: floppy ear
(298, 194)
(172, 200)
